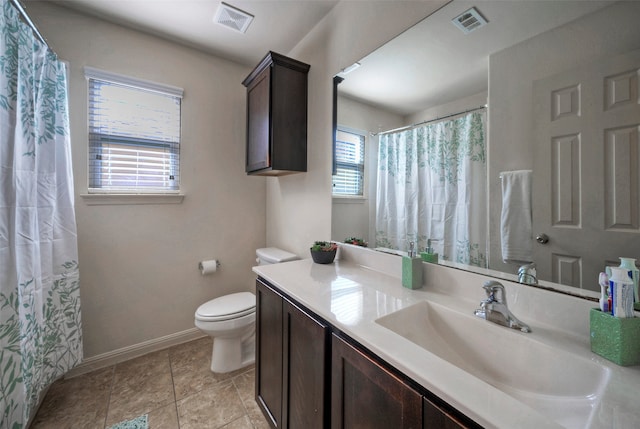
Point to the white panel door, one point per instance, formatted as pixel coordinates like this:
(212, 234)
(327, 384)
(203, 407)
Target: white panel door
(586, 183)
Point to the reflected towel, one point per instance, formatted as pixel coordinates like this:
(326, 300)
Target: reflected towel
(515, 221)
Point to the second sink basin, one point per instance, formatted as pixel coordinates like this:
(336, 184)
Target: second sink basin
(564, 387)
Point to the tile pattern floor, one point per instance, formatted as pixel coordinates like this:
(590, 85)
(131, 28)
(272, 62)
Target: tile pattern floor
(175, 387)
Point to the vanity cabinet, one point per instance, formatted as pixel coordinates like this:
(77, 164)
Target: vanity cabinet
(299, 356)
(291, 372)
(435, 417)
(364, 394)
(277, 116)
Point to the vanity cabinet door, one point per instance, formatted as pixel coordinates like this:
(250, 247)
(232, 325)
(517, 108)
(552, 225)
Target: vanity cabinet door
(306, 386)
(435, 417)
(292, 385)
(365, 395)
(269, 381)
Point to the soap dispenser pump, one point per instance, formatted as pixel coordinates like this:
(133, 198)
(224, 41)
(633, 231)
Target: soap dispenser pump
(412, 269)
(429, 255)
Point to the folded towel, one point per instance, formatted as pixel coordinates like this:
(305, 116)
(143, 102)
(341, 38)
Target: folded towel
(515, 222)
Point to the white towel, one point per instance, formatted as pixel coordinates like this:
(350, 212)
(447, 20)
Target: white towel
(515, 222)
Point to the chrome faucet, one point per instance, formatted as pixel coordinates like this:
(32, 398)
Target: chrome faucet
(527, 274)
(494, 308)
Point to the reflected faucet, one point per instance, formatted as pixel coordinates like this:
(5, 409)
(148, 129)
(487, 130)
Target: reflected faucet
(527, 274)
(494, 308)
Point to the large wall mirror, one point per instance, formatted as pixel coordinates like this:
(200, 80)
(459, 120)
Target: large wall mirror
(559, 80)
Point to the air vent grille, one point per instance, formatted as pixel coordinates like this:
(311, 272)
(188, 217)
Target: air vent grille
(469, 20)
(233, 18)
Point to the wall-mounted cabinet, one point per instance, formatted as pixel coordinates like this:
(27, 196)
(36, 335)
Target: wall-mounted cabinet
(277, 116)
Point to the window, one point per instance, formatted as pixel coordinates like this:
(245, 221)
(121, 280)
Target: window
(134, 135)
(349, 178)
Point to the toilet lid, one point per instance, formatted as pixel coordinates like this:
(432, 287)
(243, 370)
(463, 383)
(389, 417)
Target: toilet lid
(227, 307)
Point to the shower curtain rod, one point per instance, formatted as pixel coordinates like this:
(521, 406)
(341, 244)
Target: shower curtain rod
(408, 127)
(29, 22)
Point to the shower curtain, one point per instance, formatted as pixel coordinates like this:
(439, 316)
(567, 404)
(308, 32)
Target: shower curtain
(40, 332)
(432, 185)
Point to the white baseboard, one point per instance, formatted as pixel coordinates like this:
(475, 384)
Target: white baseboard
(116, 356)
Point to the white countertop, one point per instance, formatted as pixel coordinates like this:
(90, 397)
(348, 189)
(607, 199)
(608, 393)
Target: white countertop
(352, 297)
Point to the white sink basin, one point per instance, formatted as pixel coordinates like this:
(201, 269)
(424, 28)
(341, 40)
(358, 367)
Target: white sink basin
(564, 387)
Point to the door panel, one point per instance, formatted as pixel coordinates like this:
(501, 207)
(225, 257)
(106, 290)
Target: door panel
(269, 353)
(364, 395)
(306, 386)
(586, 186)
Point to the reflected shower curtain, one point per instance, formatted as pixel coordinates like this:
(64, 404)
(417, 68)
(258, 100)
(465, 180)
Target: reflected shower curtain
(432, 185)
(40, 333)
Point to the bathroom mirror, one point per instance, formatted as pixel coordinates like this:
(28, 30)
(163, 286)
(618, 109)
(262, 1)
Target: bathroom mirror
(434, 69)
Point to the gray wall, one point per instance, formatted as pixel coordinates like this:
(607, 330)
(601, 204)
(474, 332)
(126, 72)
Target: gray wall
(138, 263)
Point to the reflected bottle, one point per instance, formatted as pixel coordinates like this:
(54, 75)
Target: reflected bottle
(629, 265)
(412, 269)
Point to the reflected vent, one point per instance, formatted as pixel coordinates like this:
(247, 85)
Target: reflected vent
(233, 18)
(469, 20)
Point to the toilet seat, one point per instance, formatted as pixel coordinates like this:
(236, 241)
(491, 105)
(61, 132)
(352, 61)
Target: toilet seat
(227, 307)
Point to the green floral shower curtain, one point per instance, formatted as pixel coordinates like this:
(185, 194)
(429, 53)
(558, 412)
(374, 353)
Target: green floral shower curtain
(40, 332)
(432, 185)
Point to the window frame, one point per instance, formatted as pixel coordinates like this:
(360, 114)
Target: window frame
(132, 195)
(352, 197)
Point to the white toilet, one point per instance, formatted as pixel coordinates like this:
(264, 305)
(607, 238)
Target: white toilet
(230, 320)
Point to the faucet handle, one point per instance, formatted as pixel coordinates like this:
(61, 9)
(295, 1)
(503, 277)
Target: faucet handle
(491, 287)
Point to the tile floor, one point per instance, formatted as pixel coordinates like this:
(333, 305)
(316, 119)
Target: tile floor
(175, 387)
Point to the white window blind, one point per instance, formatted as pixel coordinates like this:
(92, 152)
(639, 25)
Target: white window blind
(134, 135)
(349, 177)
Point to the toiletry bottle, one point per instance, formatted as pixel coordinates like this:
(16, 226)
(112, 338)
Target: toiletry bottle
(629, 264)
(429, 255)
(411, 269)
(621, 287)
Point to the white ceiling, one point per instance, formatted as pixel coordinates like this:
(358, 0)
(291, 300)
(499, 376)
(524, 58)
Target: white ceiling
(277, 25)
(430, 64)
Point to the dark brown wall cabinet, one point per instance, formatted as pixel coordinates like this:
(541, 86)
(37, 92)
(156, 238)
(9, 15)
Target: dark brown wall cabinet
(291, 371)
(277, 116)
(298, 358)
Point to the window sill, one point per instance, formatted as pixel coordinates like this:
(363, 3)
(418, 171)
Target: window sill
(131, 199)
(348, 200)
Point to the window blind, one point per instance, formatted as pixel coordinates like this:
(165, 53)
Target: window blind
(349, 177)
(134, 136)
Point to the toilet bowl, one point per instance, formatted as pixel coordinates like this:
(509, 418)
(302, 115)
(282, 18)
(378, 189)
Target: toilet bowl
(230, 321)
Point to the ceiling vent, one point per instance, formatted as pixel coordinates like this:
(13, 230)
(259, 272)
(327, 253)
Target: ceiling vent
(233, 18)
(469, 20)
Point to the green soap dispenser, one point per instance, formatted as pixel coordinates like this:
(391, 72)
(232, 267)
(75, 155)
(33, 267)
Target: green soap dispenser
(412, 269)
(429, 255)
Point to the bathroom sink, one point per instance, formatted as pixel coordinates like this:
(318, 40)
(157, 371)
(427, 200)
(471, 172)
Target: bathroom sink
(564, 387)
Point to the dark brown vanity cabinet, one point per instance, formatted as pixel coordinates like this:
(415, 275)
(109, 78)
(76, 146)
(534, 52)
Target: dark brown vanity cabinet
(310, 375)
(434, 417)
(277, 116)
(365, 395)
(291, 371)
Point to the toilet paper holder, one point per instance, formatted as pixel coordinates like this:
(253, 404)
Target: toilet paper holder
(208, 266)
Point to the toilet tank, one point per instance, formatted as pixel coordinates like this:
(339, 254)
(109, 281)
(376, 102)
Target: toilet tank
(273, 255)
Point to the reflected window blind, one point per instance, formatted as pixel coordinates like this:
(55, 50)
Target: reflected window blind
(134, 135)
(349, 177)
